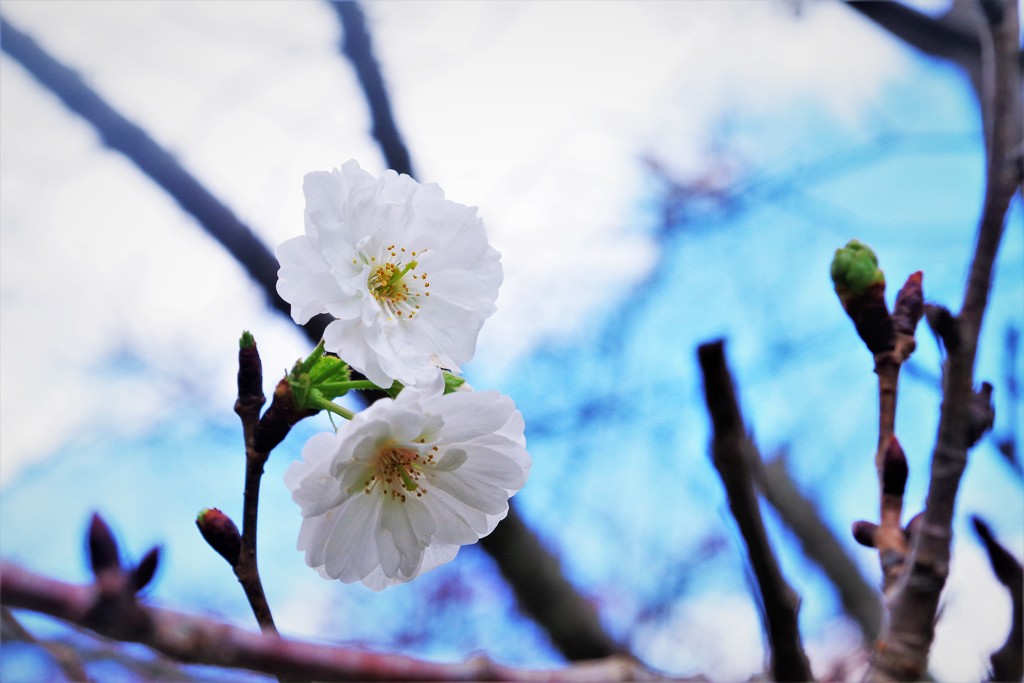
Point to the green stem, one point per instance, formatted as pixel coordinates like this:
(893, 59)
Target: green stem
(331, 406)
(342, 387)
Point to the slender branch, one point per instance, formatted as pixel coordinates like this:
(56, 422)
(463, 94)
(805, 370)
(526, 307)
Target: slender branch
(732, 450)
(1007, 661)
(545, 594)
(358, 48)
(903, 649)
(800, 514)
(65, 656)
(196, 640)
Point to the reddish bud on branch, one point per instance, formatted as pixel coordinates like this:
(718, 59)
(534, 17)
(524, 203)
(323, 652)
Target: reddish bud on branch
(250, 376)
(894, 469)
(103, 553)
(864, 533)
(146, 569)
(221, 533)
(909, 305)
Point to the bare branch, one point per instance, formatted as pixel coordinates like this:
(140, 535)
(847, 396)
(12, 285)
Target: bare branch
(195, 640)
(1007, 661)
(731, 450)
(801, 515)
(545, 594)
(903, 649)
(358, 48)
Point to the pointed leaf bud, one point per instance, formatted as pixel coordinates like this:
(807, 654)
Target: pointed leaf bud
(250, 376)
(146, 569)
(894, 469)
(909, 307)
(864, 533)
(103, 553)
(861, 289)
(221, 533)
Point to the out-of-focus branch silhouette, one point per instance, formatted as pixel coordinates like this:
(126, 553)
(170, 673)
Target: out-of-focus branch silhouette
(198, 640)
(358, 48)
(731, 452)
(904, 646)
(800, 514)
(120, 134)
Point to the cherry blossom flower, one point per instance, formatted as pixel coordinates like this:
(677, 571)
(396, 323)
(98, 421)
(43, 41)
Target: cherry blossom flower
(408, 275)
(396, 491)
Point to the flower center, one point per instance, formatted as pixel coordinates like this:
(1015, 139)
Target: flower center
(399, 471)
(389, 283)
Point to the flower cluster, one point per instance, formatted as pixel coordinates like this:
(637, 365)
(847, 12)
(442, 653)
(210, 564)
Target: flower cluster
(409, 278)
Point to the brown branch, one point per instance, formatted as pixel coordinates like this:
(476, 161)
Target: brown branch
(801, 515)
(64, 655)
(357, 46)
(545, 594)
(1007, 661)
(731, 451)
(196, 640)
(903, 649)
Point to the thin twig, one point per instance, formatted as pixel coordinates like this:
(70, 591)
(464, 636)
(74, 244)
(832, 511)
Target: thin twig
(903, 649)
(358, 48)
(801, 515)
(64, 655)
(731, 450)
(197, 640)
(1007, 661)
(247, 406)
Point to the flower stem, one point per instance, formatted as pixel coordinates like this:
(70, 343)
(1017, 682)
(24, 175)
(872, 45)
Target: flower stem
(332, 407)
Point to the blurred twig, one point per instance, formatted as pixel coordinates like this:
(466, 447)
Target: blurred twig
(197, 640)
(1007, 661)
(731, 450)
(358, 48)
(801, 515)
(903, 649)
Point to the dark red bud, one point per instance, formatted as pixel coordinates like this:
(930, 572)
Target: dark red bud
(864, 533)
(103, 553)
(221, 533)
(909, 305)
(894, 469)
(871, 318)
(250, 376)
(146, 569)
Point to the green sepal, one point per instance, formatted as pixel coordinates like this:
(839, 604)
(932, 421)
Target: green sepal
(452, 382)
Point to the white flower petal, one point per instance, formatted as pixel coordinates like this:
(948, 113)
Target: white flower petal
(398, 489)
(408, 275)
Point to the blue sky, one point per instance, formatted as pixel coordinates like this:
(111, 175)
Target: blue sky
(120, 318)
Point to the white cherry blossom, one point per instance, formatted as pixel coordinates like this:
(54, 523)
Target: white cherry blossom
(396, 491)
(408, 275)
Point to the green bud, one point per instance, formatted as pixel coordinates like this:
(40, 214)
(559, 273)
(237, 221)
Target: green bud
(855, 271)
(247, 341)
